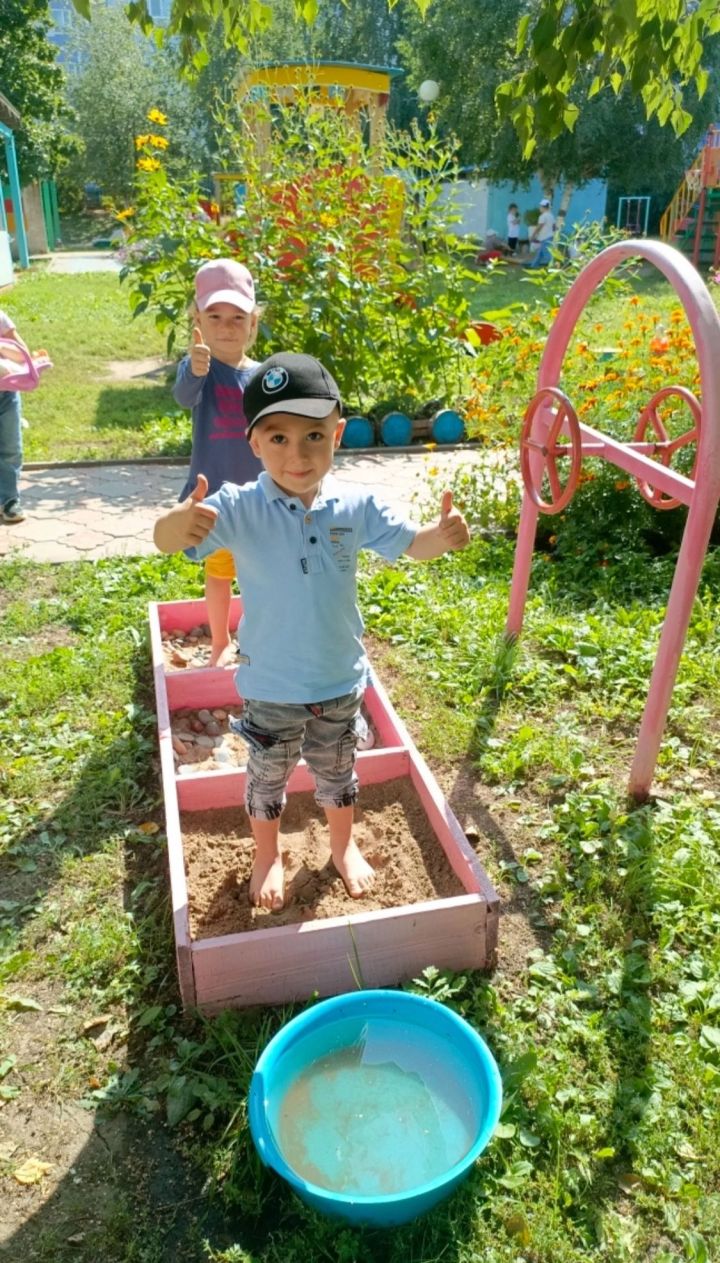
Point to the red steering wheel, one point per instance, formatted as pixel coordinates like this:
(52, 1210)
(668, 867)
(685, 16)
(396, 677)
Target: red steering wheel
(666, 446)
(563, 414)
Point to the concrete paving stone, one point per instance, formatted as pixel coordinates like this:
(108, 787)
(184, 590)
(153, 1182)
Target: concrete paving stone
(116, 525)
(79, 515)
(53, 552)
(41, 530)
(14, 547)
(86, 540)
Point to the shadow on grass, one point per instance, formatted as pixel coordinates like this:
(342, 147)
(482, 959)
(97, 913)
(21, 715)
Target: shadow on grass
(627, 1022)
(125, 407)
(128, 1194)
(134, 1189)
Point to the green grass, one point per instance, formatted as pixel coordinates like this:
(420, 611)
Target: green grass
(604, 1010)
(79, 412)
(604, 1014)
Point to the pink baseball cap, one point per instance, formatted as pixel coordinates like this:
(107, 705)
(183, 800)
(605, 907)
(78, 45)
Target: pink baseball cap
(224, 281)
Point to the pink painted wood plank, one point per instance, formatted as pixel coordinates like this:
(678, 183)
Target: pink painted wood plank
(178, 884)
(186, 614)
(208, 686)
(383, 718)
(328, 957)
(447, 827)
(226, 787)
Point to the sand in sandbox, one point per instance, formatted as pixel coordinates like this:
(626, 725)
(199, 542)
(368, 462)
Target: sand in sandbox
(391, 828)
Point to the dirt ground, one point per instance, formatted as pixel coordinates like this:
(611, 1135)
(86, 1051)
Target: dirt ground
(111, 1170)
(391, 828)
(105, 1167)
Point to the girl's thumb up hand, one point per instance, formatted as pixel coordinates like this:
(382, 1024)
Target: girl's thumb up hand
(199, 355)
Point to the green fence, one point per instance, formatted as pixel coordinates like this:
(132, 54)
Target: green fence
(48, 195)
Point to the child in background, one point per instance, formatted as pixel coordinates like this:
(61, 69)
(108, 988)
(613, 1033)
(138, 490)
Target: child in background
(295, 535)
(513, 227)
(211, 380)
(11, 447)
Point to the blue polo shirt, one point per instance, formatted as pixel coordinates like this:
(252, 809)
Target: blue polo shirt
(300, 637)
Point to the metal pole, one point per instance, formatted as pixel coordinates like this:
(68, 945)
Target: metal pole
(16, 194)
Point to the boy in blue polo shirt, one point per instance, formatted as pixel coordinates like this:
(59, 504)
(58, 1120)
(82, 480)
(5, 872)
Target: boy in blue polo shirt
(295, 535)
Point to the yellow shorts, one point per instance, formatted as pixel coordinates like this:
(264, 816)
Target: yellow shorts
(220, 565)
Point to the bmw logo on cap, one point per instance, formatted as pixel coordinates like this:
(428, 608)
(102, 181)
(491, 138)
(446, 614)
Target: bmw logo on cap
(274, 380)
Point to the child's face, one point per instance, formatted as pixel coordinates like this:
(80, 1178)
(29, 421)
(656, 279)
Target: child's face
(227, 330)
(297, 452)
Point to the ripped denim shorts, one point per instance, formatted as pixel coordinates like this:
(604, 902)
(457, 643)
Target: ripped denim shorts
(278, 734)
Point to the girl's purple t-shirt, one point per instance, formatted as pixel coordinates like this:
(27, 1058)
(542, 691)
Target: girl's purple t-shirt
(220, 449)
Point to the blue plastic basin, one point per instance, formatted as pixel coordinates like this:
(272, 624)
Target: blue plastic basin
(374, 1106)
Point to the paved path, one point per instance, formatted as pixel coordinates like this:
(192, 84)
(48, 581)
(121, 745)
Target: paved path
(80, 261)
(85, 512)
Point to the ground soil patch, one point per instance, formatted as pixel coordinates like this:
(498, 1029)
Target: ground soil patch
(391, 829)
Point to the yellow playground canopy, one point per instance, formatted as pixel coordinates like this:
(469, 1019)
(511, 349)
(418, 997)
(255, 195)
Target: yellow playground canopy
(354, 87)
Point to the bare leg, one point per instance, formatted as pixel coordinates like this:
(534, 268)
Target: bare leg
(218, 593)
(354, 869)
(267, 886)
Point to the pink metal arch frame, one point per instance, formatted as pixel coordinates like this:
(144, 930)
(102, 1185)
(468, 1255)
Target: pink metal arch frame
(662, 486)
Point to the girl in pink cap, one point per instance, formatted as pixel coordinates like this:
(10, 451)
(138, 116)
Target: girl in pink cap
(211, 380)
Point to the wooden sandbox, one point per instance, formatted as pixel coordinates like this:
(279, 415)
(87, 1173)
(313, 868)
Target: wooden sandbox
(272, 965)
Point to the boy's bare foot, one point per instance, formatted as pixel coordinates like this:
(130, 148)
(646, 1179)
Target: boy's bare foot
(221, 655)
(354, 869)
(267, 883)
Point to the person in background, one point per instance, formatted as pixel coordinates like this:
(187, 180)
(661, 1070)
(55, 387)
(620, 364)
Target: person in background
(211, 380)
(11, 445)
(513, 227)
(542, 235)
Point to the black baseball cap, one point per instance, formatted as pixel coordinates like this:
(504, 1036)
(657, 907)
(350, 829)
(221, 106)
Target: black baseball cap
(290, 382)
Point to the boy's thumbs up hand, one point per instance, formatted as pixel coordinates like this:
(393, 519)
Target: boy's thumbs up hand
(187, 523)
(198, 518)
(200, 490)
(199, 355)
(452, 525)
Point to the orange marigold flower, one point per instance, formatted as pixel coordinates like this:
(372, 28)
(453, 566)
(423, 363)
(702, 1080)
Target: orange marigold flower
(622, 484)
(660, 345)
(634, 301)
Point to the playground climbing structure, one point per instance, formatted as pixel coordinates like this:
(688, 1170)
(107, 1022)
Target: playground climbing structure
(692, 220)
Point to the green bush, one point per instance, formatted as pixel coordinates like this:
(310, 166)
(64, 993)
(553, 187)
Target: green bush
(353, 253)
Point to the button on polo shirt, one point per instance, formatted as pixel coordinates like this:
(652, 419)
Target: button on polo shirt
(300, 636)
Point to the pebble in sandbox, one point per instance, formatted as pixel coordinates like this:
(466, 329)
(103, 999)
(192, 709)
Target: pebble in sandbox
(203, 741)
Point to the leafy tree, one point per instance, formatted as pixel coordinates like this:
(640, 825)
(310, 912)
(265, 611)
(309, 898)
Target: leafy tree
(655, 46)
(33, 82)
(611, 139)
(119, 77)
